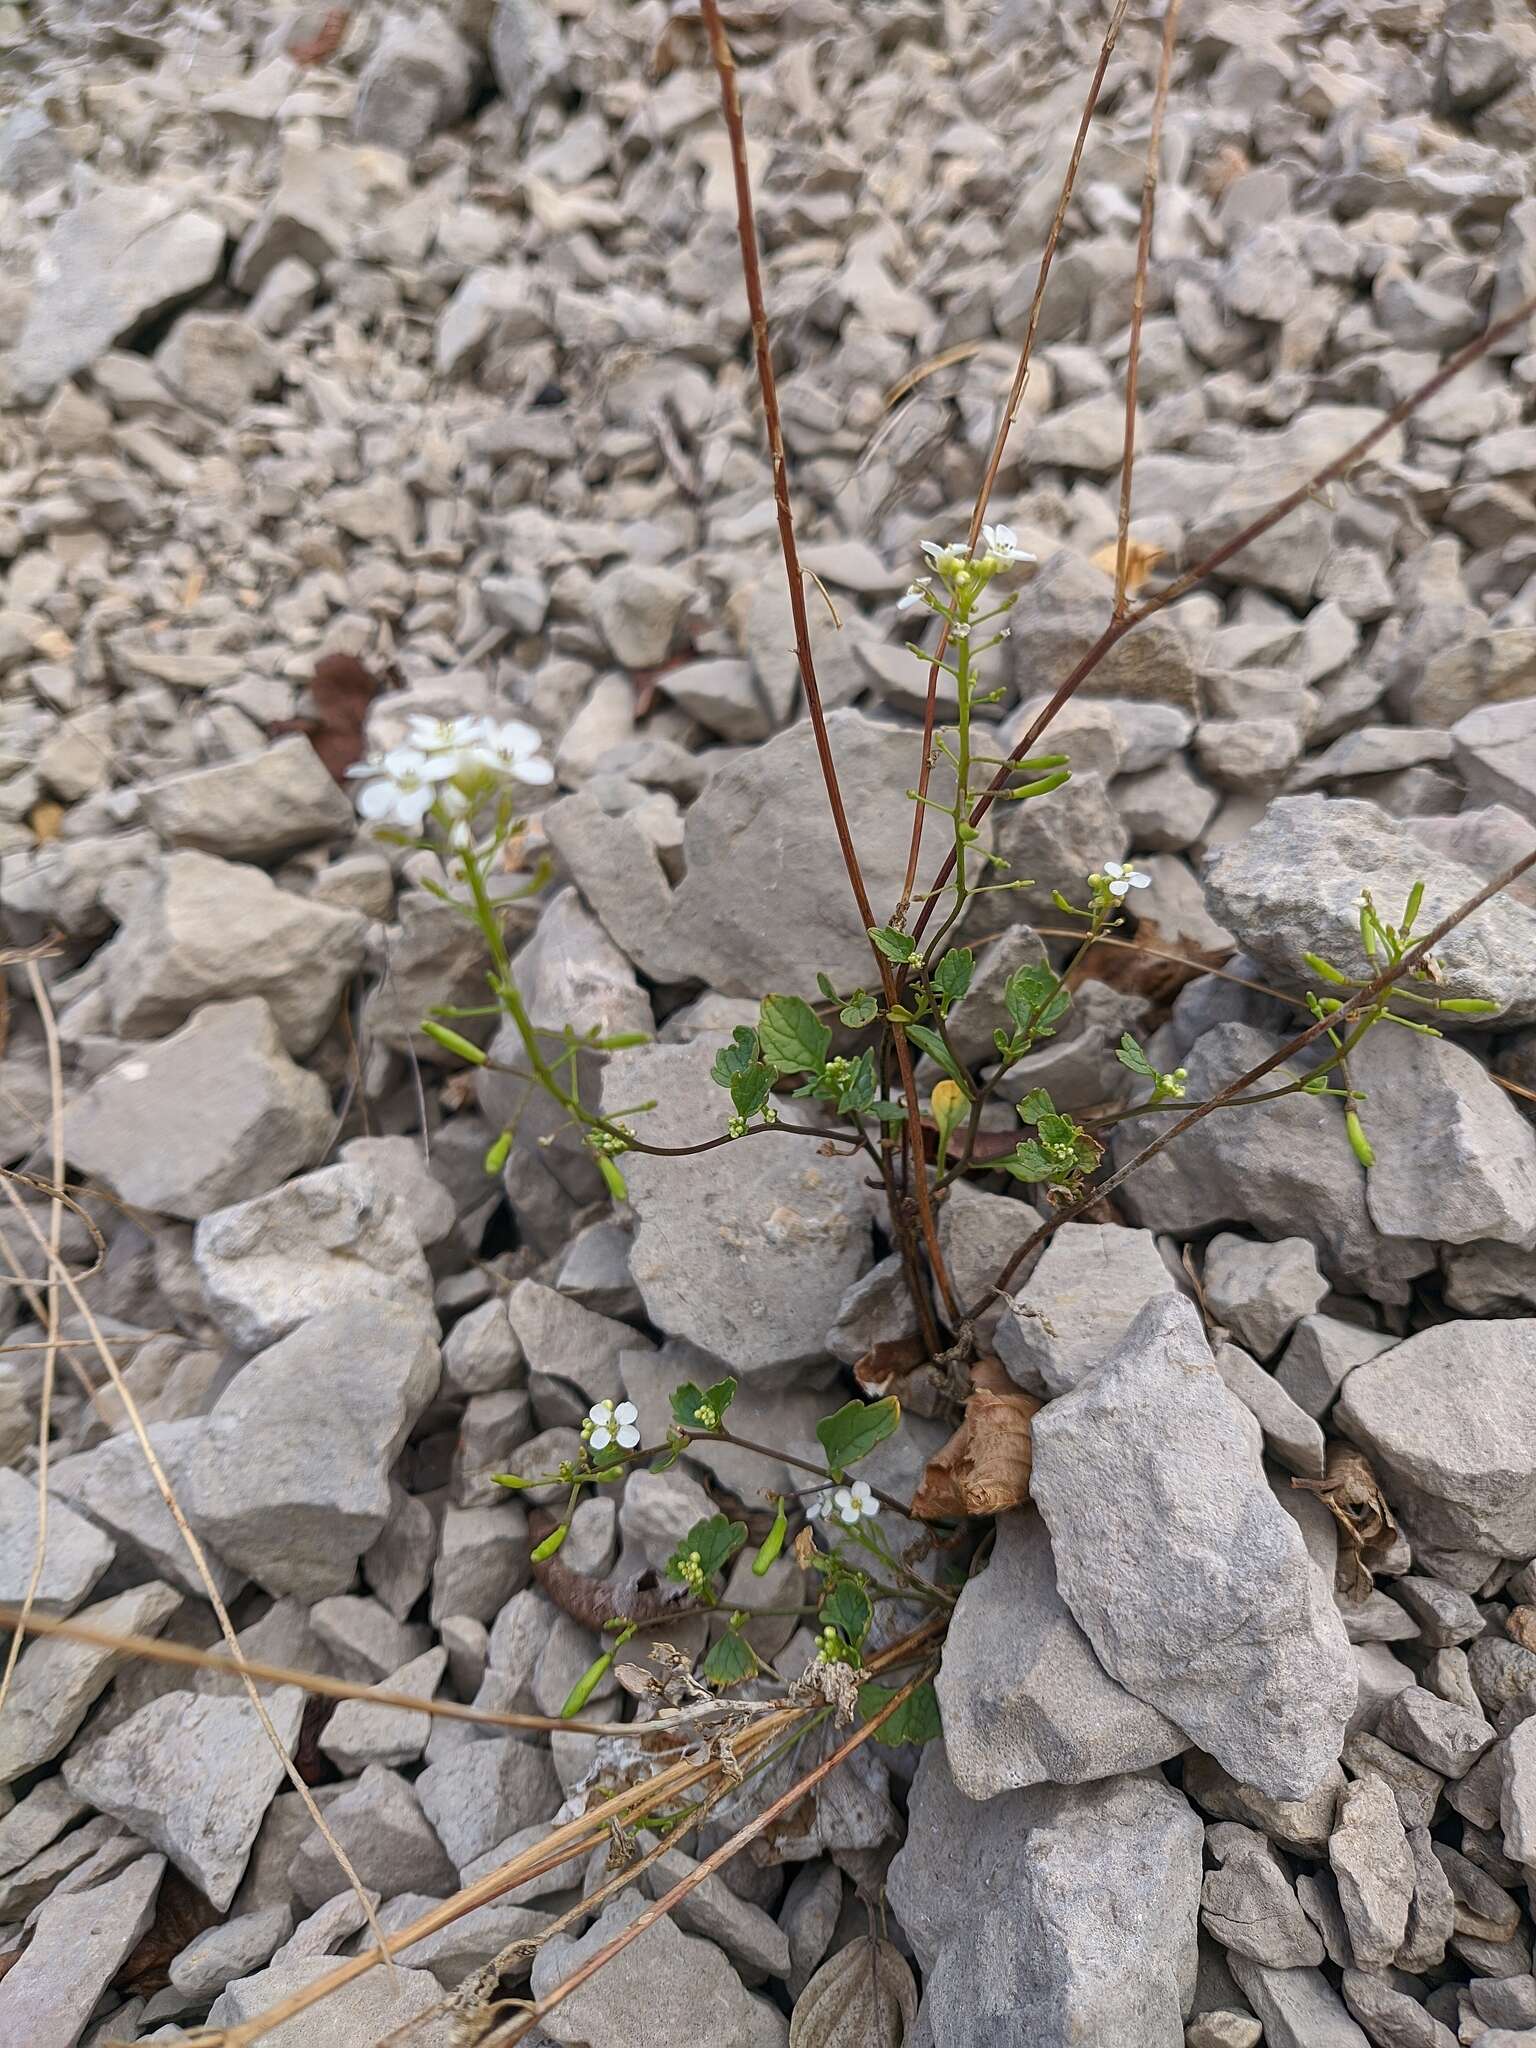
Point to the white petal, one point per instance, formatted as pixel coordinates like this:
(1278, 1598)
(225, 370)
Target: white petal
(1114, 867)
(849, 1514)
(626, 1412)
(534, 770)
(1139, 881)
(413, 806)
(1118, 888)
(629, 1436)
(377, 801)
(600, 1439)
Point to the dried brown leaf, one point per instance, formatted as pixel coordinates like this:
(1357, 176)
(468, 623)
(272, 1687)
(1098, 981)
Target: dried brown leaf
(864, 1997)
(1367, 1531)
(985, 1466)
(45, 818)
(1141, 558)
(181, 1914)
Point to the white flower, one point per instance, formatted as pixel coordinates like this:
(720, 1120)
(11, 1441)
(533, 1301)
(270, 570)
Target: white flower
(819, 1506)
(946, 558)
(1122, 878)
(855, 1503)
(1003, 546)
(612, 1424)
(404, 788)
(442, 735)
(511, 749)
(916, 593)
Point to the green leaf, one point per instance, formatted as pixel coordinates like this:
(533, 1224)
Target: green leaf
(952, 976)
(889, 1112)
(846, 1606)
(1034, 997)
(1131, 1055)
(856, 1097)
(739, 1057)
(859, 1010)
(751, 1090)
(855, 1429)
(893, 944)
(690, 1404)
(716, 1542)
(793, 1038)
(927, 1040)
(1027, 1163)
(1036, 1104)
(916, 1720)
(1056, 1129)
(730, 1660)
(826, 988)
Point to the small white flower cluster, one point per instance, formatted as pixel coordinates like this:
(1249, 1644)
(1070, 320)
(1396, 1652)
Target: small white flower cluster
(1123, 878)
(448, 766)
(849, 1504)
(953, 560)
(611, 1423)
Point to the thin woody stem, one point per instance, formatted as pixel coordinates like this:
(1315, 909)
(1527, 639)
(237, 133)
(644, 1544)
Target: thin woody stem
(1363, 998)
(1139, 300)
(1000, 441)
(1117, 629)
(752, 275)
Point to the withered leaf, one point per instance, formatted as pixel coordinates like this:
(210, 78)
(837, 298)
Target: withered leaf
(985, 1466)
(1367, 1531)
(1141, 558)
(864, 1997)
(181, 1914)
(341, 691)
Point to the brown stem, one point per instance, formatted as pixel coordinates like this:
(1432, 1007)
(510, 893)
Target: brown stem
(1000, 441)
(1117, 629)
(1139, 299)
(752, 276)
(1362, 999)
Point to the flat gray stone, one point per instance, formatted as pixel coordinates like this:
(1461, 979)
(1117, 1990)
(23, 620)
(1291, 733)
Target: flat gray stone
(1191, 1582)
(1248, 1904)
(232, 1115)
(75, 1555)
(1023, 1697)
(357, 2016)
(1288, 887)
(1091, 1283)
(56, 1682)
(1291, 1436)
(746, 1252)
(1299, 2008)
(36, 1820)
(1443, 1734)
(1261, 1291)
(1323, 1351)
(193, 1775)
(379, 1822)
(79, 1943)
(1086, 1922)
(479, 1792)
(257, 807)
(464, 1945)
(291, 1478)
(235, 1948)
(1301, 1824)
(113, 1486)
(360, 1733)
(332, 1241)
(1448, 1419)
(1390, 2015)
(1374, 1870)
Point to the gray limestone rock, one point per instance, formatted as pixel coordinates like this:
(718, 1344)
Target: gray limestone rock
(56, 1681)
(465, 1945)
(257, 807)
(1284, 1168)
(1289, 887)
(193, 1775)
(115, 1488)
(1374, 1869)
(232, 1116)
(79, 1943)
(1191, 1582)
(1391, 2015)
(1261, 1291)
(1443, 1734)
(1323, 1351)
(478, 1793)
(330, 1242)
(291, 1477)
(379, 1822)
(1087, 1920)
(419, 77)
(1091, 1283)
(1023, 1697)
(1248, 1904)
(745, 1252)
(1448, 1419)
(357, 2016)
(206, 930)
(76, 1554)
(1291, 1436)
(360, 1733)
(235, 1948)
(1299, 2008)
(1302, 1824)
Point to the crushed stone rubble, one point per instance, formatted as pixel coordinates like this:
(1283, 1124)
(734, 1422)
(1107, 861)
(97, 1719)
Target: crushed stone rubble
(378, 361)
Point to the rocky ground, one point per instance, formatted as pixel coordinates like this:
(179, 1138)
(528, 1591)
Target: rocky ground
(415, 340)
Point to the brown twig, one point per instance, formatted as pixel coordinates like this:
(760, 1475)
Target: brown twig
(1000, 443)
(1117, 629)
(752, 275)
(1139, 299)
(1362, 999)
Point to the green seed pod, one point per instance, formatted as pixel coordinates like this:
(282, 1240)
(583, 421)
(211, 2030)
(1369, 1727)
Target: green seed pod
(1359, 1143)
(551, 1543)
(582, 1690)
(613, 1180)
(450, 1041)
(1469, 1006)
(771, 1545)
(497, 1152)
(1325, 968)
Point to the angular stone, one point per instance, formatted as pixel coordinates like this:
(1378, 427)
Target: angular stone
(635, 2007)
(419, 78)
(217, 363)
(291, 1478)
(1289, 887)
(1299, 2008)
(1390, 2015)
(465, 1945)
(114, 1487)
(74, 1557)
(360, 1733)
(1373, 1867)
(330, 1241)
(194, 1776)
(478, 1793)
(56, 1682)
(79, 1943)
(1415, 1788)
(1249, 1907)
(1261, 1291)
(1449, 1738)
(751, 1938)
(207, 930)
(1064, 608)
(235, 1948)
(231, 1113)
(1323, 1351)
(1092, 1282)
(745, 1253)
(638, 607)
(111, 264)
(1301, 1824)
(1284, 1168)
(1291, 1436)
(257, 807)
(379, 1822)
(1147, 1469)
(1067, 1864)
(1023, 1697)
(564, 1342)
(356, 2016)
(480, 1352)
(1448, 1419)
